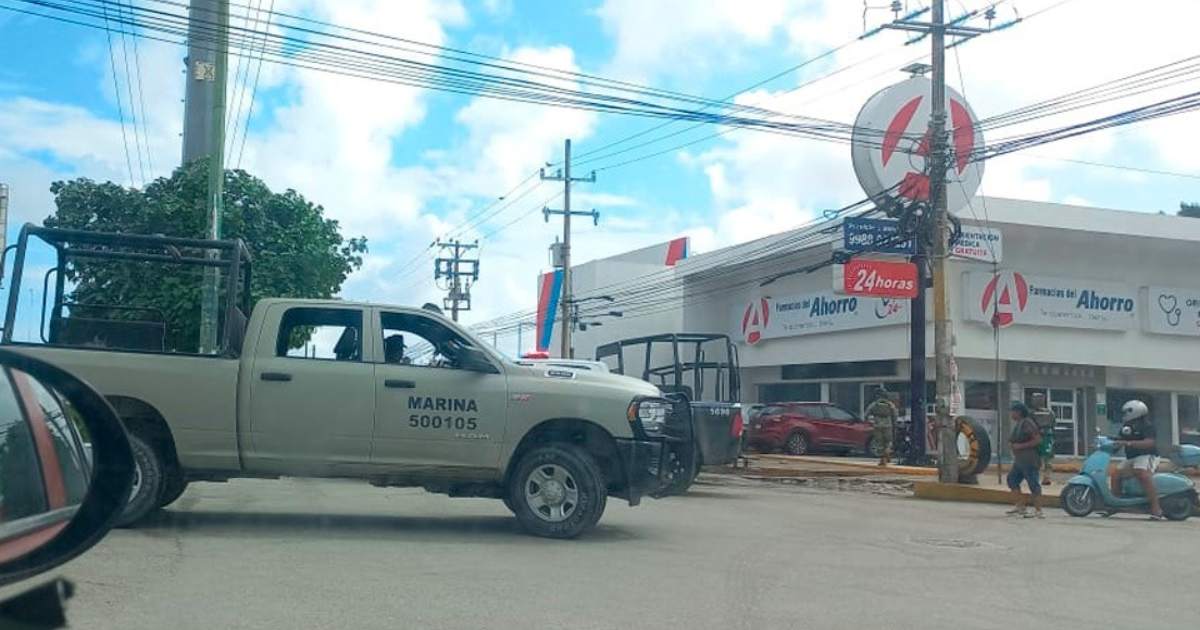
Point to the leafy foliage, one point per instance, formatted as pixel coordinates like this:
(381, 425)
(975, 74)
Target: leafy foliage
(297, 252)
(1190, 210)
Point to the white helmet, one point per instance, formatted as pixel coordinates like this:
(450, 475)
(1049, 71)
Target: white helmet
(1133, 410)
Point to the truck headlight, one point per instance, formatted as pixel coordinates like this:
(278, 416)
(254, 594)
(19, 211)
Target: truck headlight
(650, 414)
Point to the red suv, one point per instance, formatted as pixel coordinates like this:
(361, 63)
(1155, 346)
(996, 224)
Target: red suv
(800, 428)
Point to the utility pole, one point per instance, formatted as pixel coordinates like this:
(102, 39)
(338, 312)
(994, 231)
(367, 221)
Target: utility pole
(943, 339)
(564, 176)
(458, 292)
(204, 132)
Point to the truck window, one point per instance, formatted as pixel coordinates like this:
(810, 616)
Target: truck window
(320, 333)
(419, 341)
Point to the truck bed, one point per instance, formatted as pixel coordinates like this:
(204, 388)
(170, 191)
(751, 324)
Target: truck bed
(196, 394)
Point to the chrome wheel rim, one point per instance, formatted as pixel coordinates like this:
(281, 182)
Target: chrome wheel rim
(551, 493)
(797, 445)
(136, 487)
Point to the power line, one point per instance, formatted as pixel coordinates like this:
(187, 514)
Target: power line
(112, 59)
(341, 60)
(254, 89)
(133, 116)
(137, 65)
(1120, 167)
(241, 80)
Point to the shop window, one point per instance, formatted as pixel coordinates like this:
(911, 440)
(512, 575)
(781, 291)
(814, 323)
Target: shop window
(1189, 419)
(847, 396)
(789, 392)
(847, 369)
(979, 395)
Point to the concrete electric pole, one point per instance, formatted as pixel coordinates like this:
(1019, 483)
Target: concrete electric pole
(458, 292)
(204, 131)
(943, 337)
(564, 176)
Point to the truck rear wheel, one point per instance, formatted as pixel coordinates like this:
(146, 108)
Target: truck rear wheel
(173, 488)
(557, 491)
(148, 480)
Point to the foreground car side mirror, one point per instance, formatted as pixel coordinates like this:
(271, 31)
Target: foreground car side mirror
(66, 466)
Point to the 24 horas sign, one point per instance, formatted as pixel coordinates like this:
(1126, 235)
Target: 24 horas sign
(1011, 297)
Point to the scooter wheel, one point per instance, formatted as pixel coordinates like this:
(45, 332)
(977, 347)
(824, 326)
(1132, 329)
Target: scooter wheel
(1177, 507)
(1078, 500)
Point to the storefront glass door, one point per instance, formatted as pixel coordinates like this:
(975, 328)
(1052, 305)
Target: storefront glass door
(1063, 404)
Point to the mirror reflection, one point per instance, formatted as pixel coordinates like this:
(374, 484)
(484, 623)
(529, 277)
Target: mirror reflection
(45, 463)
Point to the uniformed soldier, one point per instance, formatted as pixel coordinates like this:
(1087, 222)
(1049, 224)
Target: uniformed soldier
(1045, 420)
(882, 413)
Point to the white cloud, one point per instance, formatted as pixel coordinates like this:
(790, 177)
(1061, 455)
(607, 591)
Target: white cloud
(663, 37)
(762, 183)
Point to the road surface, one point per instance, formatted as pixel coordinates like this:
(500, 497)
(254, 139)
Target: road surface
(739, 554)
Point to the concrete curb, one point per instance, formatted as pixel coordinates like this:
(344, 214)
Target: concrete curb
(936, 491)
(829, 461)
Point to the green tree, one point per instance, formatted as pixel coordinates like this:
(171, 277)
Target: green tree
(297, 252)
(1190, 210)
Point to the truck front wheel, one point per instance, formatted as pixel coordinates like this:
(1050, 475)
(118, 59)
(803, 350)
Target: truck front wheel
(557, 491)
(148, 481)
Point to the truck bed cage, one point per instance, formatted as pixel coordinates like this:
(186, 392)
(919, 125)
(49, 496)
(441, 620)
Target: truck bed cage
(671, 376)
(231, 256)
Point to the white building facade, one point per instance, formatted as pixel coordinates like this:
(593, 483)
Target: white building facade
(1095, 307)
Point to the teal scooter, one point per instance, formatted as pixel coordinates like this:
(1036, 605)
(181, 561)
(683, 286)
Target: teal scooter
(1090, 490)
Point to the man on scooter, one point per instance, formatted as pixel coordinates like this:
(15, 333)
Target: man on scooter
(1141, 453)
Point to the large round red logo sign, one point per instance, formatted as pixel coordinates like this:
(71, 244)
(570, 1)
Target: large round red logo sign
(1005, 295)
(754, 320)
(891, 142)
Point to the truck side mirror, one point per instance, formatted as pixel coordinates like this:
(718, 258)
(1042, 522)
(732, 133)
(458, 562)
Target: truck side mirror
(475, 360)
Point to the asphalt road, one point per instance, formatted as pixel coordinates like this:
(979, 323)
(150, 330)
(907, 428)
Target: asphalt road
(318, 554)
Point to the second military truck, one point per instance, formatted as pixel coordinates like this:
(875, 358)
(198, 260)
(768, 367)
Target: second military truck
(392, 395)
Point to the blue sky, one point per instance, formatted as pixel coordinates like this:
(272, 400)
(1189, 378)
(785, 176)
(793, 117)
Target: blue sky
(403, 165)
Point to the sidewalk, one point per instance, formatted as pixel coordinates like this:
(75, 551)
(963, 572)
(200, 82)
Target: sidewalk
(990, 489)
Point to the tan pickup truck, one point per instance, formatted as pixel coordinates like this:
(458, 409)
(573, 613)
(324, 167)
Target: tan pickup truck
(392, 395)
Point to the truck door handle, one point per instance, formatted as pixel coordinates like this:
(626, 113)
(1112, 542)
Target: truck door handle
(395, 383)
(275, 376)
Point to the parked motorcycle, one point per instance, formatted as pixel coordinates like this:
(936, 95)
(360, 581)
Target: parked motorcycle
(1090, 489)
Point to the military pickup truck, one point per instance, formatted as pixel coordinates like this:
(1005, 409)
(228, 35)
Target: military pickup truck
(392, 395)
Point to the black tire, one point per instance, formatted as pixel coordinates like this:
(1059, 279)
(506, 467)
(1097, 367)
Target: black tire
(797, 444)
(585, 480)
(1078, 499)
(1177, 507)
(173, 488)
(980, 444)
(148, 482)
(684, 472)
